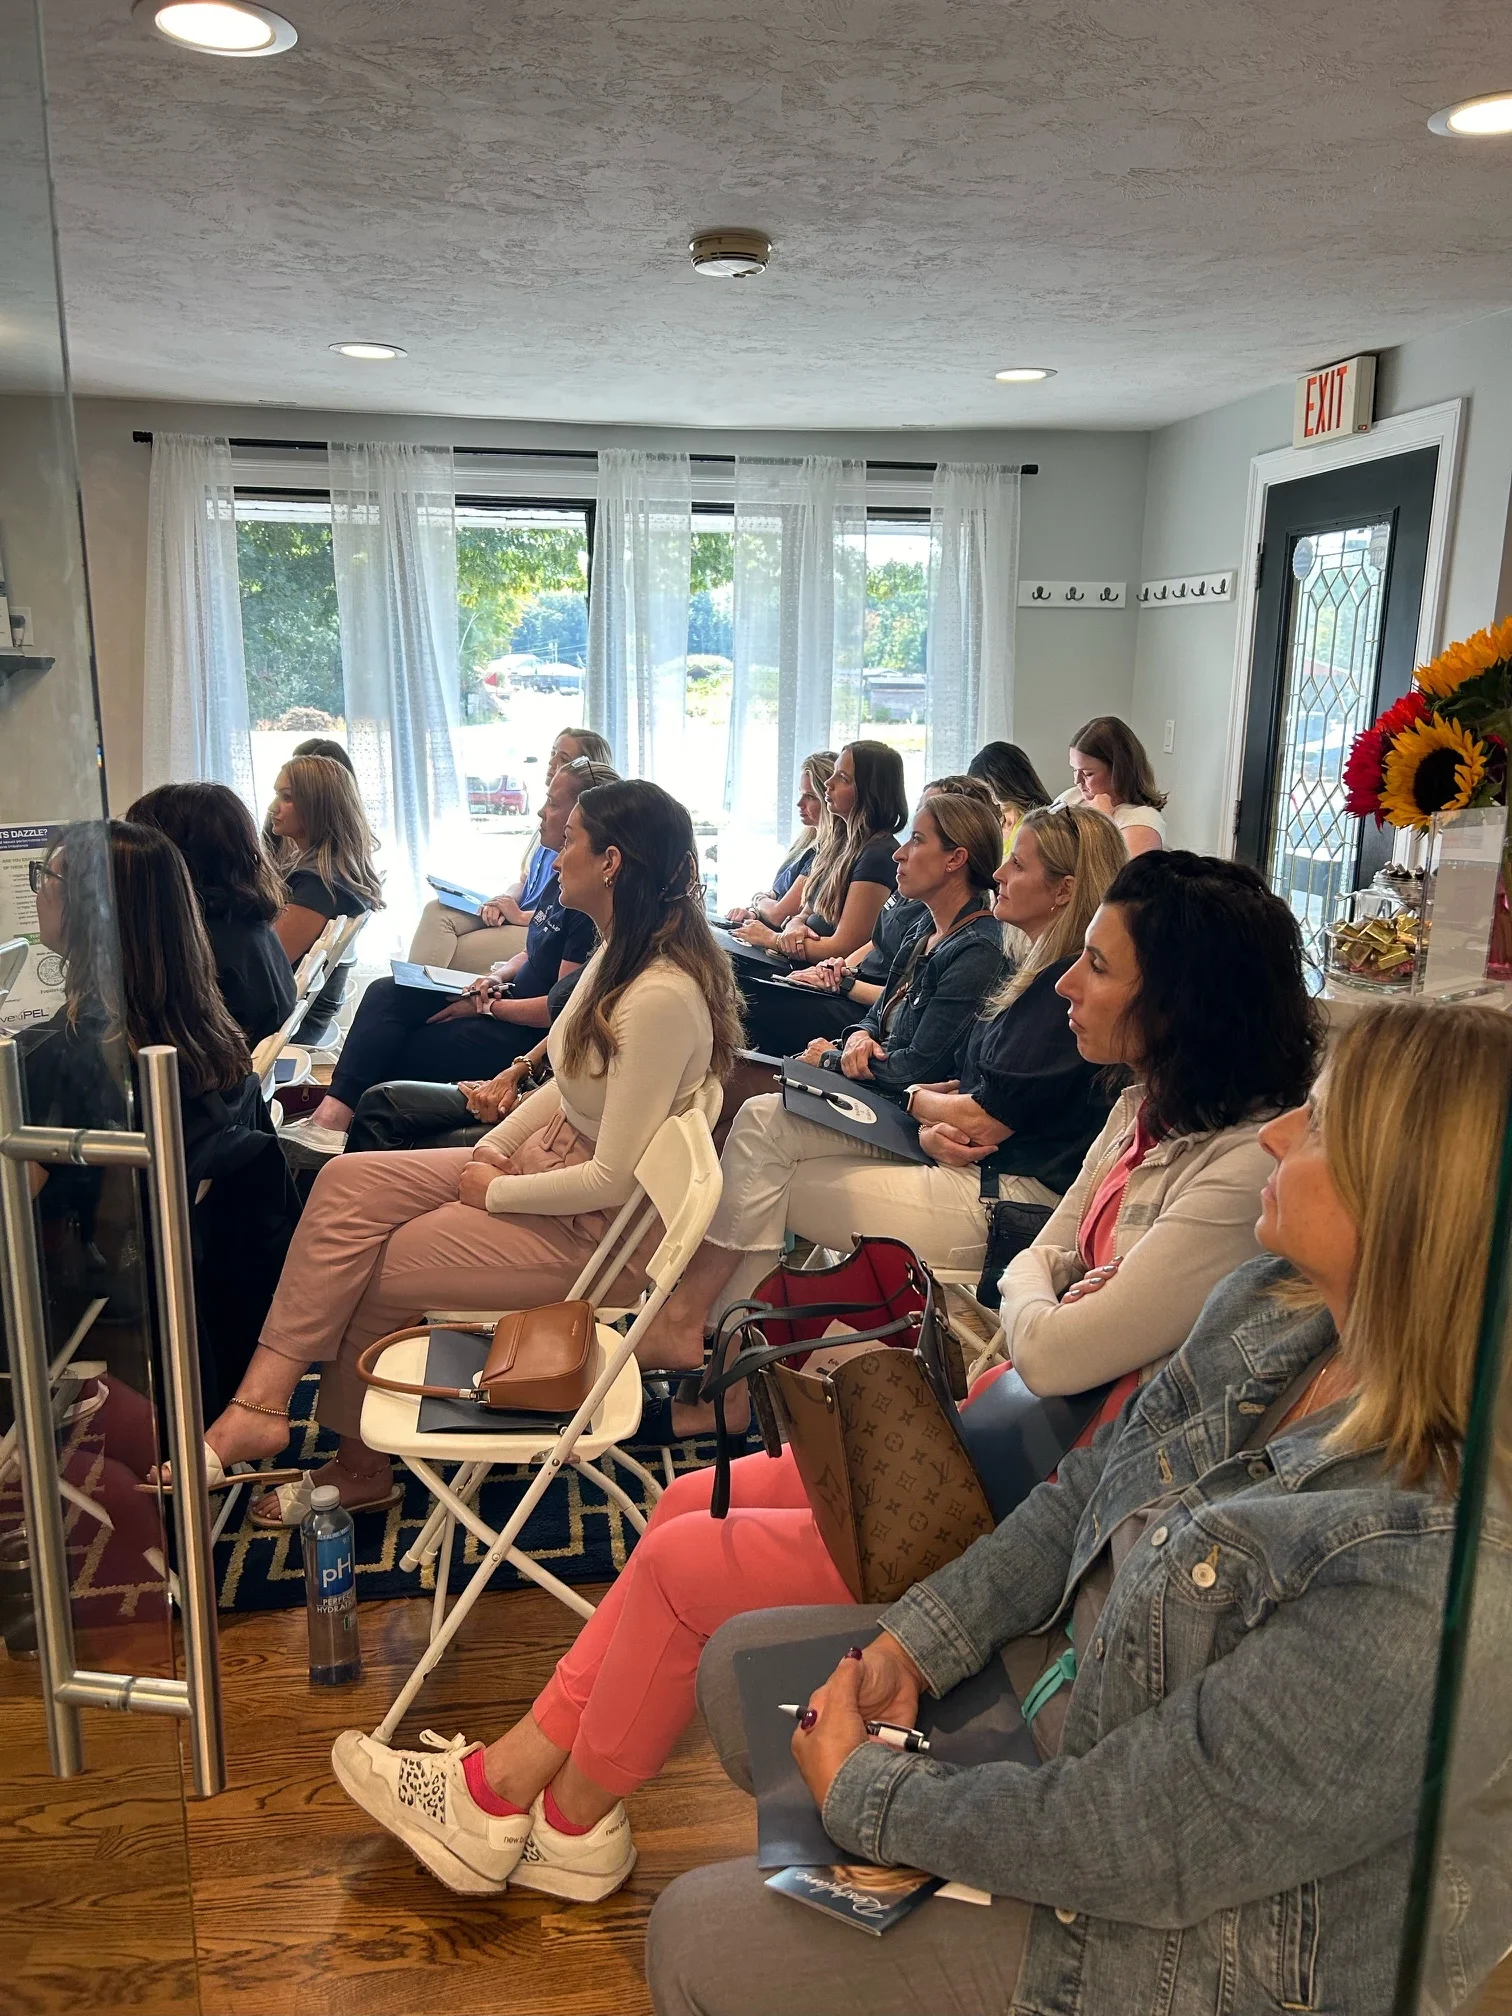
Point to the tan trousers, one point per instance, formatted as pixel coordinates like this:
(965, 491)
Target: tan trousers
(383, 1239)
(783, 1173)
(452, 938)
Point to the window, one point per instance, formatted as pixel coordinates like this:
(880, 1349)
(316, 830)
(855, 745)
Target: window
(291, 633)
(897, 614)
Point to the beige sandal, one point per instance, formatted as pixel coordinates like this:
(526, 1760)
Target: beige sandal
(294, 1502)
(217, 1476)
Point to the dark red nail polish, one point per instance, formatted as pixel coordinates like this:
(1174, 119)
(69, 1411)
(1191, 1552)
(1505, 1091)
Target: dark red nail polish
(854, 1652)
(807, 1719)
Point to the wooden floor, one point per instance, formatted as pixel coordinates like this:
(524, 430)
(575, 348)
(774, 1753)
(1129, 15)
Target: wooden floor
(299, 1902)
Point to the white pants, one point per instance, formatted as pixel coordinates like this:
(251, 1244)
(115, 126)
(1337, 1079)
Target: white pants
(453, 938)
(786, 1174)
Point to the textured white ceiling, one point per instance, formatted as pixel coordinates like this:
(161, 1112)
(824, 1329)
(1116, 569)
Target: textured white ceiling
(1174, 202)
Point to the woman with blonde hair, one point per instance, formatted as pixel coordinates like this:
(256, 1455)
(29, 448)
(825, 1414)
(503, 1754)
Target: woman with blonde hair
(815, 836)
(1233, 1603)
(323, 847)
(385, 1237)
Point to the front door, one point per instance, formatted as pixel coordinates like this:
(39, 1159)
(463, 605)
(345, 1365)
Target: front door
(1339, 592)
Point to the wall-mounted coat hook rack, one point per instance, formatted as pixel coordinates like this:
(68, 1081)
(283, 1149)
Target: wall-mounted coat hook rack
(1073, 594)
(1214, 587)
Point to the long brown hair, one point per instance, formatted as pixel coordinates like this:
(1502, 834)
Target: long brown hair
(881, 808)
(338, 843)
(1075, 841)
(1411, 1109)
(222, 849)
(156, 983)
(1108, 740)
(658, 914)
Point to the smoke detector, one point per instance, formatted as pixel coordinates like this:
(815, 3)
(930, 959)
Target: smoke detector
(730, 255)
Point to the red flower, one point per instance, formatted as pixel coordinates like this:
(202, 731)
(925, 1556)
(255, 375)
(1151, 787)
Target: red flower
(1365, 766)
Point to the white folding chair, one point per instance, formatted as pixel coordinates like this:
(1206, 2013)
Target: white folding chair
(12, 959)
(677, 1180)
(308, 975)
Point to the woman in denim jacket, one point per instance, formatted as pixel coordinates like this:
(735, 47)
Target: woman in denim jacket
(1247, 1574)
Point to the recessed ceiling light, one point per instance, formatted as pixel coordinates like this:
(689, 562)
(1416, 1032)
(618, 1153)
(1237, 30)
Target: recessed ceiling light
(219, 27)
(1474, 118)
(370, 353)
(730, 255)
(1023, 374)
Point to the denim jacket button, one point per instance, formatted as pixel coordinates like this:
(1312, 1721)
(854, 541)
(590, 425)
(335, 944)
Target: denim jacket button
(1098, 1649)
(1204, 1574)
(1160, 1536)
(1259, 1469)
(1066, 1917)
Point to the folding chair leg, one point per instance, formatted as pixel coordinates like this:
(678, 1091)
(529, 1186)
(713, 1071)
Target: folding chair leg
(653, 1488)
(617, 1492)
(443, 1577)
(501, 1547)
(465, 1481)
(668, 1469)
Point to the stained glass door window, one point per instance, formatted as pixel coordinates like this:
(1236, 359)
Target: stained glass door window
(1333, 645)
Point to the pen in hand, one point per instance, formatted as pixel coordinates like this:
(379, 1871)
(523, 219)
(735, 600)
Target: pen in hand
(887, 1733)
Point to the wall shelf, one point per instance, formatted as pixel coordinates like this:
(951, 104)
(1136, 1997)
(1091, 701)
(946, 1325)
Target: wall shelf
(23, 661)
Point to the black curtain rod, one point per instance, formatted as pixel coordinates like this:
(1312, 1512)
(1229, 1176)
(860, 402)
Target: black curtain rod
(542, 454)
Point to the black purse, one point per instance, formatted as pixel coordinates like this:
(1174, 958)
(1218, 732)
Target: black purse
(1011, 1226)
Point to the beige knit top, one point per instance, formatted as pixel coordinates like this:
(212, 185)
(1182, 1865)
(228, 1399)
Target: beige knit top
(665, 1042)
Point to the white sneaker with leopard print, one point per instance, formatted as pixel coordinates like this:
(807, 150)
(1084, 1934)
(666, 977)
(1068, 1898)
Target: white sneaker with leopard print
(583, 1867)
(424, 1801)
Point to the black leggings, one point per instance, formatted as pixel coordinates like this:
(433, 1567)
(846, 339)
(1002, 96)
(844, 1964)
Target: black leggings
(389, 1038)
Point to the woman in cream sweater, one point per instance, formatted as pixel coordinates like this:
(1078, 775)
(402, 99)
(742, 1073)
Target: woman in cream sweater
(387, 1236)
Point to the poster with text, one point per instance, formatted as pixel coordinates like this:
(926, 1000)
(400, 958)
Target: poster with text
(37, 991)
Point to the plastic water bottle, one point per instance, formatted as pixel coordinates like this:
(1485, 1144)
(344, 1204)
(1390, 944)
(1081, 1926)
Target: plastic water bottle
(330, 1572)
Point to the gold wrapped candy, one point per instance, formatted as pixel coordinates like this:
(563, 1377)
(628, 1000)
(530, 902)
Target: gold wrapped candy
(1379, 949)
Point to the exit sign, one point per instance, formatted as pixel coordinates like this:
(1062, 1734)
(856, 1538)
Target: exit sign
(1337, 400)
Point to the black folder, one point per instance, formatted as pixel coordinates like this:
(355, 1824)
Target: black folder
(850, 1106)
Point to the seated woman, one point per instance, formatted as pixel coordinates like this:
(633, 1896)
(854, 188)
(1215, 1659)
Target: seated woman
(857, 980)
(949, 963)
(323, 848)
(1242, 1586)
(155, 983)
(1013, 781)
(385, 1237)
(1213, 1066)
(238, 894)
(844, 893)
(1111, 772)
(447, 937)
(816, 830)
(398, 1032)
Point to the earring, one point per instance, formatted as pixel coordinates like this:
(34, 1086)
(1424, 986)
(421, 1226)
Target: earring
(608, 881)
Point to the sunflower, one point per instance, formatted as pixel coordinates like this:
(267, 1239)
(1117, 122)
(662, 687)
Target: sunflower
(1467, 660)
(1433, 766)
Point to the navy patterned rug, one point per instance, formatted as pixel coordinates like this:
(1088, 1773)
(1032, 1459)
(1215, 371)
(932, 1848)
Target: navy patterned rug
(576, 1531)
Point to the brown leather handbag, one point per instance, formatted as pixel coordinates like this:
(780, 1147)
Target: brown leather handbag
(541, 1361)
(891, 1485)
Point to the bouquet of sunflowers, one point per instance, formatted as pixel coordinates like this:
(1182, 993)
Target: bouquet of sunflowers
(1444, 745)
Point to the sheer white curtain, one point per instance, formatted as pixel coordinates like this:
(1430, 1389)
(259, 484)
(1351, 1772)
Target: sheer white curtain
(800, 619)
(638, 613)
(393, 538)
(195, 724)
(973, 600)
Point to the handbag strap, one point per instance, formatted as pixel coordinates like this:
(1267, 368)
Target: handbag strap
(370, 1356)
(740, 1319)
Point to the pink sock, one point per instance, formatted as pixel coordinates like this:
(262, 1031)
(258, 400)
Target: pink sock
(483, 1795)
(556, 1818)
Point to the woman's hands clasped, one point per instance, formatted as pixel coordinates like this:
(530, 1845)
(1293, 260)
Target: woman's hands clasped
(488, 1163)
(879, 1684)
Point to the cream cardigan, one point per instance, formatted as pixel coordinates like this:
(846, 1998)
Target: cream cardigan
(1187, 1218)
(665, 1042)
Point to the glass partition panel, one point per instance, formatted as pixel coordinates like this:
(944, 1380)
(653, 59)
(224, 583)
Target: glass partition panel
(95, 1910)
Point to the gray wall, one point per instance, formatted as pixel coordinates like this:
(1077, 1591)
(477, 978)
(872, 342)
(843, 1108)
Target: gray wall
(1081, 519)
(1194, 520)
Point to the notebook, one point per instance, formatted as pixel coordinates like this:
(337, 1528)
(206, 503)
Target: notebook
(433, 979)
(850, 1106)
(751, 955)
(455, 897)
(978, 1722)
